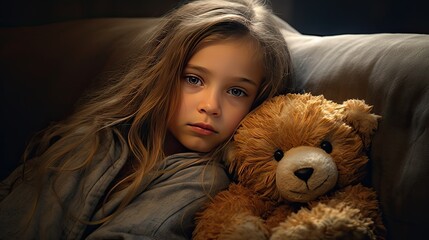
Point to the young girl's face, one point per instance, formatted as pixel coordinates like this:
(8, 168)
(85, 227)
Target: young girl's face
(219, 84)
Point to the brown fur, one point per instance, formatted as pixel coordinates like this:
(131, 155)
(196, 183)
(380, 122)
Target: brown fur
(258, 205)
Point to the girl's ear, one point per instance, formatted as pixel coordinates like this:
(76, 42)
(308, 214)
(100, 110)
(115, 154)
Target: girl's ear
(358, 115)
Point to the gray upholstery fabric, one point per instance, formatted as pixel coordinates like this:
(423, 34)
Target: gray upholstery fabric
(45, 69)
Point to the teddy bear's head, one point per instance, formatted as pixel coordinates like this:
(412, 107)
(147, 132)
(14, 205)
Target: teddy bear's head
(298, 147)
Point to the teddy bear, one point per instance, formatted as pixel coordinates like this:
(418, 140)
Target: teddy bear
(299, 163)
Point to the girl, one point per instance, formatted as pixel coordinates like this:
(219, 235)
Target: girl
(143, 154)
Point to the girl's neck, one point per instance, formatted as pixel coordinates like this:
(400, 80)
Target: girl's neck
(172, 145)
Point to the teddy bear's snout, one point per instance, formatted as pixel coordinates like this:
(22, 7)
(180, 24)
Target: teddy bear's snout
(305, 173)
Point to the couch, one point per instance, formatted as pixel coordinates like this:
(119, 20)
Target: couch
(46, 69)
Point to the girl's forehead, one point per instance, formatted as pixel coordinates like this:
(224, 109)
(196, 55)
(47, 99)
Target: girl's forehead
(247, 41)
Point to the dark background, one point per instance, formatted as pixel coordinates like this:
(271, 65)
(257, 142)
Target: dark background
(319, 17)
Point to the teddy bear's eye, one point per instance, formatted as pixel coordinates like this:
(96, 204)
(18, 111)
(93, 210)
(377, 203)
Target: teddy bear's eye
(326, 146)
(278, 155)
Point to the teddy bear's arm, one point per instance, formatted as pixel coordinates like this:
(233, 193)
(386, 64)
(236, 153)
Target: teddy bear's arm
(351, 213)
(279, 214)
(363, 199)
(233, 214)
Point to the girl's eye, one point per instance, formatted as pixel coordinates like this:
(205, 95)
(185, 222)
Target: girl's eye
(237, 92)
(193, 80)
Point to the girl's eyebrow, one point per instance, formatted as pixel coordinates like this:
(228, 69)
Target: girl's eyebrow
(206, 71)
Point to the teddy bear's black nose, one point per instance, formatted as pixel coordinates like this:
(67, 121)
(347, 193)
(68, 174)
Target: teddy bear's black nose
(304, 173)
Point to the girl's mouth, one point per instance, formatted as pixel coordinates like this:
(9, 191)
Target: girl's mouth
(202, 128)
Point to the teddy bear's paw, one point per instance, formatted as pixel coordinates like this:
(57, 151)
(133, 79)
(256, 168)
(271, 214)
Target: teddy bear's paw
(246, 227)
(313, 232)
(325, 223)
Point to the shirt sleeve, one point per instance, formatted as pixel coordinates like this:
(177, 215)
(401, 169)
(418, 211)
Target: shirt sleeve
(167, 208)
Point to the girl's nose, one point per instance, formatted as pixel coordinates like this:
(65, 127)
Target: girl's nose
(210, 104)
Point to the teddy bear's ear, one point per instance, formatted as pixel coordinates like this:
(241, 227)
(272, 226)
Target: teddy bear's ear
(229, 153)
(358, 115)
(230, 160)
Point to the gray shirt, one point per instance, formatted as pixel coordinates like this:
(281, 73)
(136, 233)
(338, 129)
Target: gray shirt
(164, 209)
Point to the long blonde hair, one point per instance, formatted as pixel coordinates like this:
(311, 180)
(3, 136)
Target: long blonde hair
(139, 103)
